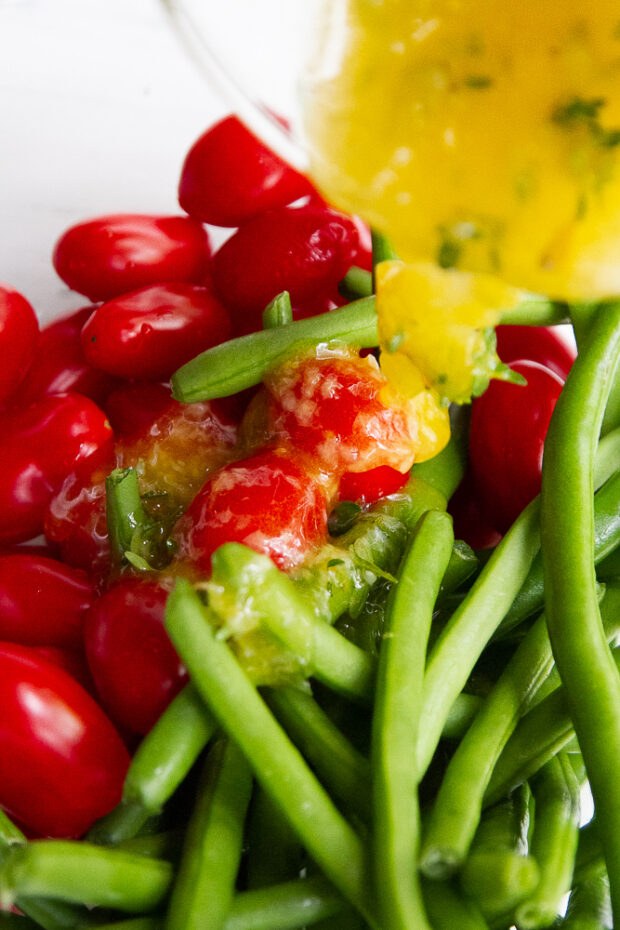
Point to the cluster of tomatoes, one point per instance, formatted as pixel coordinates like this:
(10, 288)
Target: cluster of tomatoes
(85, 664)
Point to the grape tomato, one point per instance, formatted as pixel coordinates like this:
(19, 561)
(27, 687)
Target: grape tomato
(62, 763)
(542, 344)
(60, 365)
(111, 255)
(42, 601)
(18, 339)
(134, 666)
(303, 250)
(508, 427)
(39, 446)
(151, 332)
(269, 501)
(229, 176)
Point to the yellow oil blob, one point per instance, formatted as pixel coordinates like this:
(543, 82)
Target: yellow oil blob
(437, 321)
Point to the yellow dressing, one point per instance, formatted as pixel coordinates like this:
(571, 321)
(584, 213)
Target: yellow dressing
(478, 135)
(433, 320)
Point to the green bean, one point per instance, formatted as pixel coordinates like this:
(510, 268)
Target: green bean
(589, 906)
(9, 833)
(548, 727)
(457, 808)
(583, 657)
(497, 873)
(242, 362)
(396, 722)
(344, 770)
(461, 715)
(444, 472)
(274, 852)
(124, 510)
(205, 883)
(589, 861)
(462, 565)
(556, 792)
(582, 315)
(286, 906)
(609, 568)
(536, 311)
(356, 283)
(49, 914)
(81, 873)
(606, 539)
(277, 764)
(449, 909)
(161, 762)
(246, 583)
(471, 626)
(278, 311)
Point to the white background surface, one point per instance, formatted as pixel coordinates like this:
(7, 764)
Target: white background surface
(98, 106)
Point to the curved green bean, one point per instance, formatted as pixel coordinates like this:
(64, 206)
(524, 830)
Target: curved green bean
(471, 626)
(583, 657)
(606, 540)
(247, 583)
(457, 807)
(241, 363)
(548, 727)
(161, 762)
(205, 882)
(396, 723)
(81, 873)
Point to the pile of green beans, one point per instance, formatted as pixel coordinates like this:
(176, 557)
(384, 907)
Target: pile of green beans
(393, 782)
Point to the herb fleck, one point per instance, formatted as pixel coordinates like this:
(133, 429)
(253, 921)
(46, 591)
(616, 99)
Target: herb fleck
(478, 81)
(586, 113)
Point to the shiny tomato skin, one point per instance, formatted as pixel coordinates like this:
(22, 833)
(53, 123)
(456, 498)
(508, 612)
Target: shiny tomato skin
(229, 176)
(111, 255)
(368, 487)
(133, 663)
(151, 332)
(75, 519)
(60, 364)
(62, 763)
(508, 427)
(269, 502)
(18, 339)
(39, 446)
(331, 408)
(540, 344)
(303, 250)
(42, 601)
